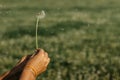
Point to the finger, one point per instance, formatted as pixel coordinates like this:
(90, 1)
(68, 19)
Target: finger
(46, 54)
(38, 53)
(48, 61)
(41, 52)
(37, 50)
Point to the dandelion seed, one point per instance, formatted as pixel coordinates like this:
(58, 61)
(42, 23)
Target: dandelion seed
(40, 16)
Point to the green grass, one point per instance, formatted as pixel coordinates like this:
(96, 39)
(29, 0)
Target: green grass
(82, 37)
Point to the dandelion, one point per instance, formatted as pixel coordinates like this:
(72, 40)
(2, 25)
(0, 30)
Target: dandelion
(40, 16)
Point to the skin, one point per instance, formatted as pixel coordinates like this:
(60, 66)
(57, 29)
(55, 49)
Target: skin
(29, 67)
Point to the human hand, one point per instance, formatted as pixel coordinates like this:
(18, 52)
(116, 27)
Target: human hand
(38, 62)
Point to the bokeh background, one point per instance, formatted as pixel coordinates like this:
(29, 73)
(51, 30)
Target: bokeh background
(82, 37)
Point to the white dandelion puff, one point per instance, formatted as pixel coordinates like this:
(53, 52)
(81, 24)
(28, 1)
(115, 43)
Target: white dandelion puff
(41, 15)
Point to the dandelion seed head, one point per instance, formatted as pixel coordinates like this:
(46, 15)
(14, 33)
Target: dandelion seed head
(41, 15)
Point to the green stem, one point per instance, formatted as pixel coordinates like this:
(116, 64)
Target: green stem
(37, 23)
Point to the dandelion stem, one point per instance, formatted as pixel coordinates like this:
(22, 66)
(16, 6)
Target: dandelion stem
(37, 24)
(39, 17)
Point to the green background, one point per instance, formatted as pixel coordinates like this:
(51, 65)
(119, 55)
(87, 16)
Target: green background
(82, 37)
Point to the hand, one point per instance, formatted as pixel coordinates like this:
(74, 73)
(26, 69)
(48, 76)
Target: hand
(38, 62)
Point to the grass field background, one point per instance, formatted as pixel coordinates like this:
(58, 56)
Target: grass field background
(82, 37)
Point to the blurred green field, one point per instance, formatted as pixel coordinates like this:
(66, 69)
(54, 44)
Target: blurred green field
(82, 37)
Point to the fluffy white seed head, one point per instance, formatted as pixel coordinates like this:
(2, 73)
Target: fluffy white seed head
(41, 15)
